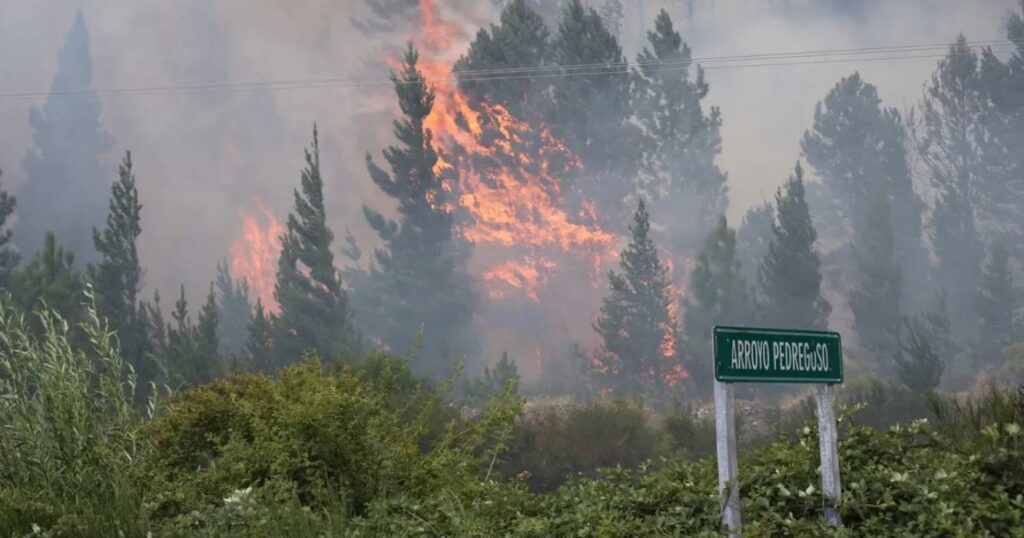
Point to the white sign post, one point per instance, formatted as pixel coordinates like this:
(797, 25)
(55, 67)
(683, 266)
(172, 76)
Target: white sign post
(775, 356)
(728, 471)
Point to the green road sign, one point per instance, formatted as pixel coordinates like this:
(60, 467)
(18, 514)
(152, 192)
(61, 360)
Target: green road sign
(746, 355)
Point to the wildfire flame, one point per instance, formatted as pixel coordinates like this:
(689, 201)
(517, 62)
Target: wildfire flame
(508, 177)
(254, 254)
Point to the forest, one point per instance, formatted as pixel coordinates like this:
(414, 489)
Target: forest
(522, 345)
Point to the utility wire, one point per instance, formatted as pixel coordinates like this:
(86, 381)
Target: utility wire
(777, 59)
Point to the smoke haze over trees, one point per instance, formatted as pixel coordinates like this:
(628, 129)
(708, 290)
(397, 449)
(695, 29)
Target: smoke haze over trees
(911, 187)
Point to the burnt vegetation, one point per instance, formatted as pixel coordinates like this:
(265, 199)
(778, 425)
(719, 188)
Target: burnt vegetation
(364, 394)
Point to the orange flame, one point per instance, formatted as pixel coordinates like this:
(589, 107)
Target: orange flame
(254, 254)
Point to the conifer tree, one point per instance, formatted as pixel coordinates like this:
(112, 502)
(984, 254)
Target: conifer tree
(9, 257)
(234, 310)
(520, 40)
(259, 346)
(156, 329)
(117, 278)
(717, 295)
(51, 279)
(918, 363)
(192, 348)
(639, 334)
(790, 274)
(418, 279)
(948, 140)
(681, 141)
(858, 149)
(997, 305)
(315, 312)
(876, 297)
(591, 111)
(65, 184)
(753, 237)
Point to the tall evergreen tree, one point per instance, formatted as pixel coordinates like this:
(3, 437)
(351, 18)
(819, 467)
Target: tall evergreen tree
(790, 275)
(418, 279)
(681, 141)
(259, 346)
(878, 288)
(918, 363)
(717, 295)
(591, 111)
(857, 149)
(51, 279)
(997, 307)
(234, 311)
(315, 312)
(1003, 144)
(520, 40)
(951, 130)
(753, 237)
(638, 330)
(9, 257)
(65, 183)
(192, 348)
(117, 278)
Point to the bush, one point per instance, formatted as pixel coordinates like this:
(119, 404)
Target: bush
(554, 442)
(329, 443)
(69, 437)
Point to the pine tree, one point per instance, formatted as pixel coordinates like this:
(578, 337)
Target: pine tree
(591, 111)
(753, 237)
(51, 279)
(9, 257)
(638, 330)
(997, 305)
(520, 40)
(857, 148)
(1002, 146)
(418, 279)
(192, 348)
(951, 130)
(315, 313)
(65, 183)
(156, 329)
(918, 363)
(790, 275)
(117, 278)
(259, 346)
(717, 295)
(876, 297)
(235, 310)
(681, 141)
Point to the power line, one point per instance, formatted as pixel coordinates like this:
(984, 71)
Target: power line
(776, 59)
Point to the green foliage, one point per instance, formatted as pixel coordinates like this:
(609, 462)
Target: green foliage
(553, 443)
(69, 435)
(234, 310)
(504, 375)
(717, 295)
(51, 280)
(997, 306)
(315, 313)
(192, 347)
(418, 280)
(638, 331)
(259, 346)
(917, 362)
(691, 435)
(753, 237)
(790, 274)
(313, 439)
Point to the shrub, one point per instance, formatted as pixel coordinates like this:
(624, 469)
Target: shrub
(69, 437)
(552, 443)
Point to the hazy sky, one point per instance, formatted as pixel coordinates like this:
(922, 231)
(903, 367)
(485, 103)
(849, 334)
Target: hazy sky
(200, 156)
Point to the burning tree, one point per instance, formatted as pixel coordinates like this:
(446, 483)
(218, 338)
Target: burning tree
(418, 279)
(637, 323)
